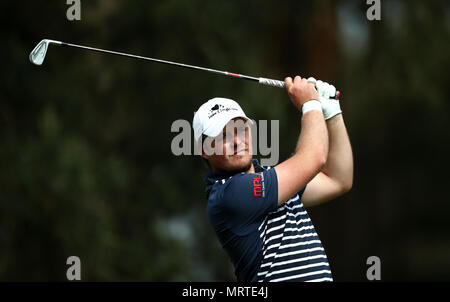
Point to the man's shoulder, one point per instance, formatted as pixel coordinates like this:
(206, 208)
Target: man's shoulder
(223, 184)
(239, 185)
(230, 186)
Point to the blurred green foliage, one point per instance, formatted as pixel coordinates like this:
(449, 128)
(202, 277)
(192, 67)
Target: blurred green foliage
(86, 165)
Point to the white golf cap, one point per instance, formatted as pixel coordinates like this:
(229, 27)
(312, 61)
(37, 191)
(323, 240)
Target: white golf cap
(212, 116)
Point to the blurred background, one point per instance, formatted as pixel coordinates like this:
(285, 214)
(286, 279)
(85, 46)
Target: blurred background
(86, 167)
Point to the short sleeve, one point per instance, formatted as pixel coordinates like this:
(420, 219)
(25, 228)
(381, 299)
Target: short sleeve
(249, 197)
(300, 193)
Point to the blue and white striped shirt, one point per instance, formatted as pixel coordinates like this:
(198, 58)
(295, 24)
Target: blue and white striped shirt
(265, 242)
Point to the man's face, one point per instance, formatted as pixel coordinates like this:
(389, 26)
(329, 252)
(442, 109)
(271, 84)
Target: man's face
(232, 148)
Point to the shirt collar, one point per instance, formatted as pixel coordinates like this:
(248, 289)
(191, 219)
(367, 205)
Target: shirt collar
(211, 177)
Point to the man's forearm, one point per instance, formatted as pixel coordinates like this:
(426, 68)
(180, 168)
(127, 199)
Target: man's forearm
(313, 137)
(339, 164)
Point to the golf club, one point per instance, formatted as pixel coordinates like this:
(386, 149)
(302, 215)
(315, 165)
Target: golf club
(37, 57)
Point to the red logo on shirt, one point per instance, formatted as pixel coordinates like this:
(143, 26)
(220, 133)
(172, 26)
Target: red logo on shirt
(257, 187)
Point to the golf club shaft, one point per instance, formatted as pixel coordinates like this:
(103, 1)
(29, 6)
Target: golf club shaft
(38, 54)
(265, 81)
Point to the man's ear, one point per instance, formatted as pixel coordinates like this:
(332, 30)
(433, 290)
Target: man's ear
(205, 159)
(204, 155)
(199, 149)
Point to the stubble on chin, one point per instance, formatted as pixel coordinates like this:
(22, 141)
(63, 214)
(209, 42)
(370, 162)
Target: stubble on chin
(242, 167)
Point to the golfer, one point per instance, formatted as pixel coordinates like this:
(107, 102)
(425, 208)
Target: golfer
(258, 213)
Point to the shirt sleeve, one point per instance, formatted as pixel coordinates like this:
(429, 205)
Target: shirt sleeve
(300, 193)
(248, 198)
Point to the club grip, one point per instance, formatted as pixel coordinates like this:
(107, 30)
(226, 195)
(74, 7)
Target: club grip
(270, 82)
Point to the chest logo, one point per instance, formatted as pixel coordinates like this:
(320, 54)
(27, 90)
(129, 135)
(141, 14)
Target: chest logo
(258, 188)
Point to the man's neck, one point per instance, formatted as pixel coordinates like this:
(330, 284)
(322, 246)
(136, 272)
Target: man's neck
(250, 170)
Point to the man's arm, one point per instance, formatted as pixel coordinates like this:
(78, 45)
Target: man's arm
(336, 177)
(312, 148)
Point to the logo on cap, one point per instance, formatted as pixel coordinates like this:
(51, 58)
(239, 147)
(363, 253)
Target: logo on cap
(217, 108)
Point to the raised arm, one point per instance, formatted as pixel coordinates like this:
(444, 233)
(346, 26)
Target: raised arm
(312, 147)
(336, 177)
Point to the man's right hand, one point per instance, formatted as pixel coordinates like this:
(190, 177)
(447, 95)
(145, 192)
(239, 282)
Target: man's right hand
(300, 91)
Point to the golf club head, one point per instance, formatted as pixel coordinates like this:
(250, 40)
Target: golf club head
(37, 55)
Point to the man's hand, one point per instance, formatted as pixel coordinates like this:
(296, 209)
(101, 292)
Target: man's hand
(330, 106)
(300, 91)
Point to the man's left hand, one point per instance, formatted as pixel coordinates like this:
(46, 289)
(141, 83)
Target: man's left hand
(330, 107)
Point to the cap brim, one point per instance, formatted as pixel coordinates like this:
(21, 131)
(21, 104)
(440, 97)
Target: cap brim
(217, 128)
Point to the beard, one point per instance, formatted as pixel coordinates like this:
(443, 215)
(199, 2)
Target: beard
(242, 165)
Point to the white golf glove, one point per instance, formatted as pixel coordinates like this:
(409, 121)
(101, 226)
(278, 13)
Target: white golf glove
(330, 107)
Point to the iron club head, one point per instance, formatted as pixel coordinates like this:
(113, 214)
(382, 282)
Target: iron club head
(37, 55)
